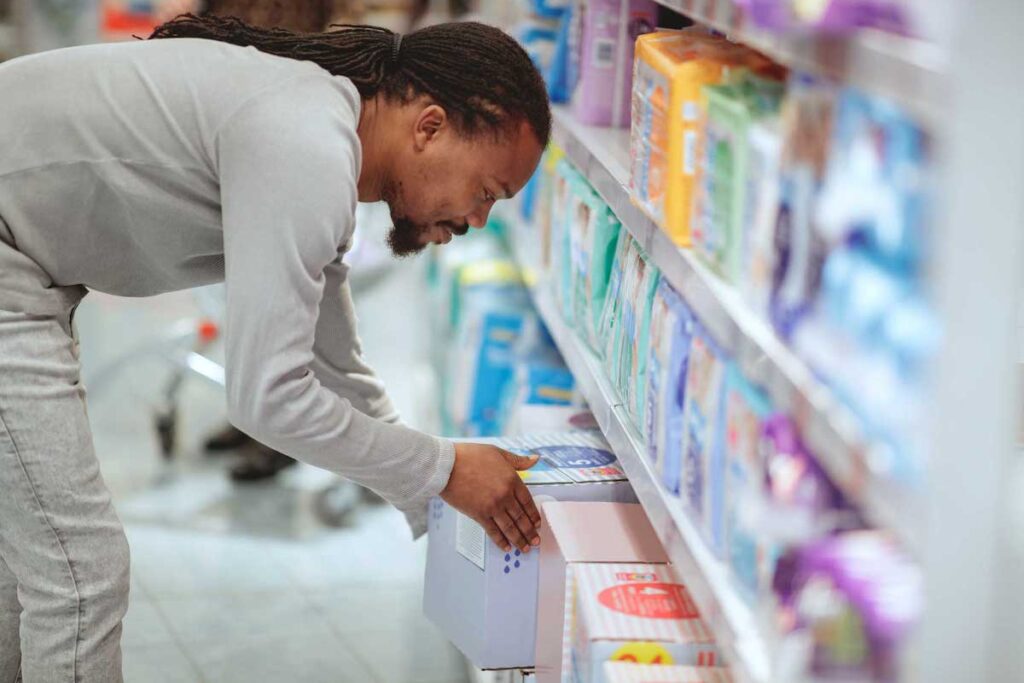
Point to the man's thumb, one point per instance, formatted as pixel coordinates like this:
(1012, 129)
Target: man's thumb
(521, 462)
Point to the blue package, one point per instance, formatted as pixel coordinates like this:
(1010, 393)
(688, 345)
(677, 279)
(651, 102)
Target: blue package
(746, 410)
(671, 331)
(702, 480)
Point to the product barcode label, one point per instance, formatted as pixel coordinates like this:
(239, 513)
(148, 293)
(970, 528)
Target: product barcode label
(470, 540)
(604, 53)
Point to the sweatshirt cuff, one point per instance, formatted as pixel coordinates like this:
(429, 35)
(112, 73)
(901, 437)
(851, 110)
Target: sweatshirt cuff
(415, 509)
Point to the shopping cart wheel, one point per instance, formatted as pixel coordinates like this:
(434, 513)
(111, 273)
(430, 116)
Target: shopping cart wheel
(166, 424)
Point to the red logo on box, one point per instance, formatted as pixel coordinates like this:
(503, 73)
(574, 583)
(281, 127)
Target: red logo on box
(650, 601)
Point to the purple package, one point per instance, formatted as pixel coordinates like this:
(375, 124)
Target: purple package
(827, 16)
(859, 596)
(603, 88)
(802, 503)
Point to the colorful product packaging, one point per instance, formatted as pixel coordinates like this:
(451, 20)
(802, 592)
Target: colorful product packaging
(719, 224)
(628, 672)
(636, 324)
(637, 613)
(671, 68)
(761, 214)
(608, 31)
(671, 332)
(619, 282)
(493, 309)
(829, 16)
(483, 599)
(594, 234)
(806, 116)
(747, 408)
(701, 484)
(571, 533)
(562, 201)
(856, 598)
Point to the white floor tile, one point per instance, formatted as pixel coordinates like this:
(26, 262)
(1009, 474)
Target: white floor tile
(164, 663)
(312, 657)
(144, 625)
(199, 619)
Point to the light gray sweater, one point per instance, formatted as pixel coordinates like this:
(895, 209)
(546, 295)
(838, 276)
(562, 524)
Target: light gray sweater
(146, 167)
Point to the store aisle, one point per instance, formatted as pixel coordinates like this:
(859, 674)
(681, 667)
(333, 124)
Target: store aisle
(244, 583)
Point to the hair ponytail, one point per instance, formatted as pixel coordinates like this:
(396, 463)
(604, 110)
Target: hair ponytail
(478, 73)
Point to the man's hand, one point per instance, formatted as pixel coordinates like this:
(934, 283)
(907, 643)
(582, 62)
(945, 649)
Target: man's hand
(485, 486)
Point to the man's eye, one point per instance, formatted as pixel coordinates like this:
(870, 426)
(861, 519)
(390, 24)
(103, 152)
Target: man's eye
(488, 197)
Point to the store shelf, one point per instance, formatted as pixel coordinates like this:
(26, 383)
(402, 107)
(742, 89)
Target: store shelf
(904, 70)
(729, 618)
(828, 427)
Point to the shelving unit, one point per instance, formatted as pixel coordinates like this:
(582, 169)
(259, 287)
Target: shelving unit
(828, 427)
(730, 619)
(905, 70)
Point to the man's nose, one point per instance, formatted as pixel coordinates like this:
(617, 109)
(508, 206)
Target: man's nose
(478, 218)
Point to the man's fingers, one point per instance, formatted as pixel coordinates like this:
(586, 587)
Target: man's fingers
(525, 499)
(511, 530)
(522, 519)
(497, 535)
(520, 462)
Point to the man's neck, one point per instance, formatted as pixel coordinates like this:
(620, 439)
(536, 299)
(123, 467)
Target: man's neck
(374, 121)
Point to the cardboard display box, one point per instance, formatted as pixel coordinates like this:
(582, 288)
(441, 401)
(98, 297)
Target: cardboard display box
(626, 672)
(638, 613)
(573, 533)
(483, 599)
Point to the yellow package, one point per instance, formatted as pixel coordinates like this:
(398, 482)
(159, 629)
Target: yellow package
(670, 70)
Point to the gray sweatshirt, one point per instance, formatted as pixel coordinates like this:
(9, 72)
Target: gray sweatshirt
(146, 167)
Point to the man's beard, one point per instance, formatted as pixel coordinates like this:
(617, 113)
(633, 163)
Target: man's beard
(406, 237)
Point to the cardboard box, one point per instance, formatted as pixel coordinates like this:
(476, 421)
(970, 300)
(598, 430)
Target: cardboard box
(626, 672)
(484, 599)
(573, 533)
(636, 612)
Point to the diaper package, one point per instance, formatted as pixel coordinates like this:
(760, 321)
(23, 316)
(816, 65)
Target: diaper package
(703, 472)
(492, 309)
(641, 282)
(608, 31)
(671, 333)
(671, 68)
(748, 555)
(761, 214)
(542, 388)
(800, 250)
(611, 317)
(593, 235)
(719, 220)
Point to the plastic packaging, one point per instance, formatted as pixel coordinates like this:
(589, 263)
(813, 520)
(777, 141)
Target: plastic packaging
(608, 32)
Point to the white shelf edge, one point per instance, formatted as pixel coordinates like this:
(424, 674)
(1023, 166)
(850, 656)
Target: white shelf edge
(730, 619)
(830, 429)
(904, 70)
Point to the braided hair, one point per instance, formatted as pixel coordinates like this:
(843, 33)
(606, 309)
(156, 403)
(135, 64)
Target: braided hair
(482, 78)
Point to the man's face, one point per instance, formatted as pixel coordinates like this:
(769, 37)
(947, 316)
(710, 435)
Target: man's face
(445, 183)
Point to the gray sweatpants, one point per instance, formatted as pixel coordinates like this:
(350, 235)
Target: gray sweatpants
(63, 554)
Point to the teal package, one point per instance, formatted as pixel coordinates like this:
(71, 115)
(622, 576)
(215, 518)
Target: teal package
(633, 357)
(566, 178)
(611, 316)
(747, 407)
(594, 236)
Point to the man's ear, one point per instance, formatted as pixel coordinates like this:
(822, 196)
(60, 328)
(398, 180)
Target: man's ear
(430, 124)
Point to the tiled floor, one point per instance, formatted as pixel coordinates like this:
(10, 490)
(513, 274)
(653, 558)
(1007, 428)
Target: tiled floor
(244, 583)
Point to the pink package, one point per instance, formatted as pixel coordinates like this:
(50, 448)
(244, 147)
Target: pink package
(607, 31)
(570, 534)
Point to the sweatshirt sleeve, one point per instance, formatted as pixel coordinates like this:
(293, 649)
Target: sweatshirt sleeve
(288, 163)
